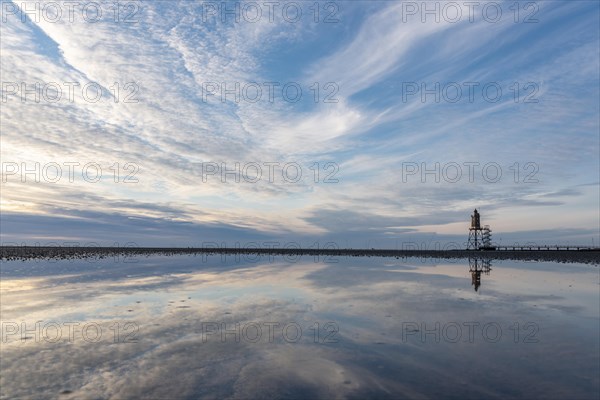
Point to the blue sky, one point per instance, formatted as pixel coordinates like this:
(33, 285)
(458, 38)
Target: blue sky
(388, 106)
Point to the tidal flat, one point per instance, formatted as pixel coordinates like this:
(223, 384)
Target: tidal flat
(309, 326)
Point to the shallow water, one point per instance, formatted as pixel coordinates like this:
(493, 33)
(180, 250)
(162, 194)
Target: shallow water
(308, 327)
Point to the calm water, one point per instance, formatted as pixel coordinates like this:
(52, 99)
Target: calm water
(194, 327)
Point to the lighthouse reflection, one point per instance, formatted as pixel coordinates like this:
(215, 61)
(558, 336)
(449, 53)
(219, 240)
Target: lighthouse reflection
(477, 266)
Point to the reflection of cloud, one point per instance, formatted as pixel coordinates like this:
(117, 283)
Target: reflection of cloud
(297, 372)
(368, 299)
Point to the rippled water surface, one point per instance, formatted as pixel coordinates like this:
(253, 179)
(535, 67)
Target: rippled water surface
(208, 327)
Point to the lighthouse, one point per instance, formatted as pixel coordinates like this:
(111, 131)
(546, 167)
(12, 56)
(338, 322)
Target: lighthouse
(480, 238)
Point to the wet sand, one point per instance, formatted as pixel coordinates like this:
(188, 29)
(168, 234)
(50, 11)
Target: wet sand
(16, 253)
(194, 326)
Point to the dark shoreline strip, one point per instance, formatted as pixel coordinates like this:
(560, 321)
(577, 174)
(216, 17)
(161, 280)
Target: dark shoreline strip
(13, 253)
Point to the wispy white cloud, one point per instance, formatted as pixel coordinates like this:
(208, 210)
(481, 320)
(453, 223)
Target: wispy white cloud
(171, 53)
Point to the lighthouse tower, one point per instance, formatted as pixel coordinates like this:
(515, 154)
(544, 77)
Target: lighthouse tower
(479, 238)
(475, 232)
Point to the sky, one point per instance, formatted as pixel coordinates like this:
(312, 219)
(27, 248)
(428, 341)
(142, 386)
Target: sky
(299, 124)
